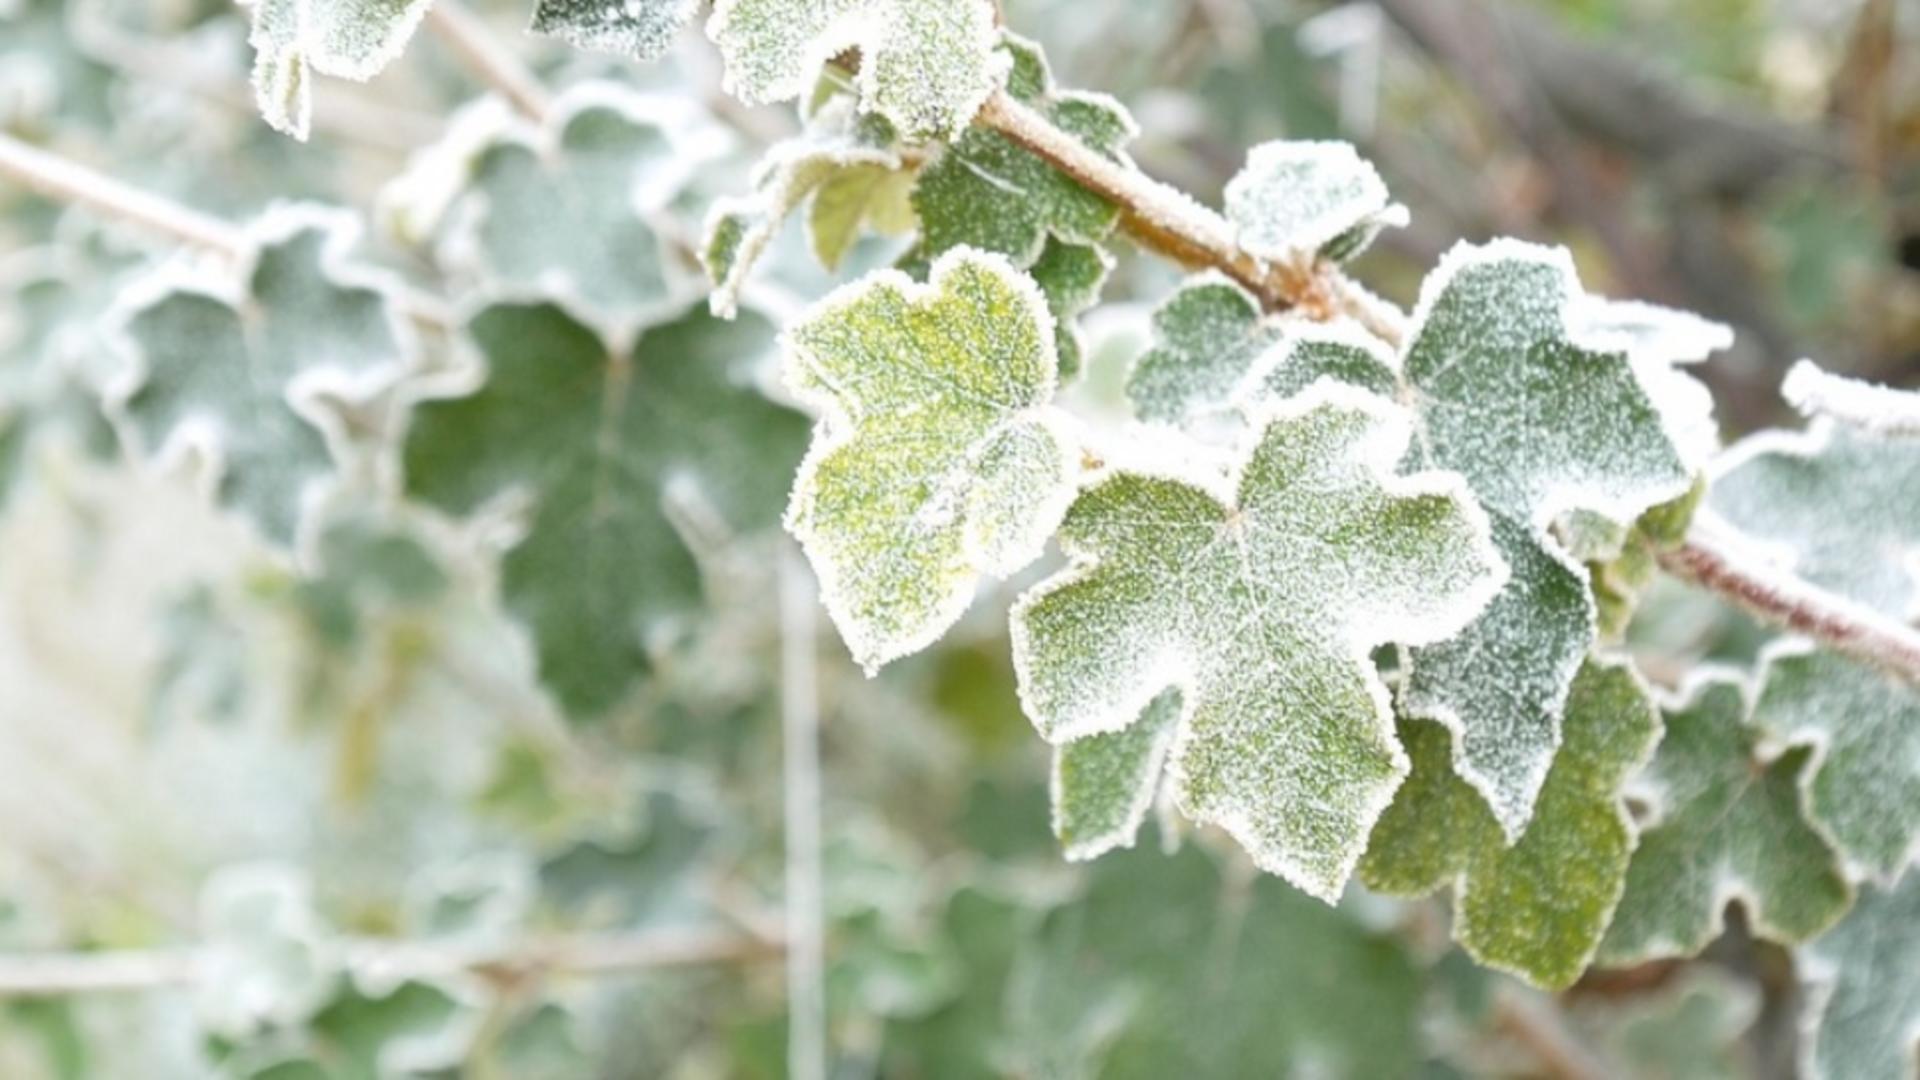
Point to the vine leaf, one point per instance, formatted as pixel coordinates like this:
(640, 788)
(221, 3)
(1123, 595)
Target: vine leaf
(938, 457)
(1863, 787)
(1295, 199)
(1862, 986)
(348, 39)
(613, 449)
(1540, 425)
(642, 29)
(1536, 908)
(1104, 784)
(251, 380)
(1260, 599)
(926, 65)
(1205, 338)
(1728, 824)
(1313, 351)
(1865, 406)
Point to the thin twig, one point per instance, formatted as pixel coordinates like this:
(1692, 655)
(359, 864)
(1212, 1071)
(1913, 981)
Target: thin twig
(481, 52)
(1538, 1027)
(1171, 223)
(800, 725)
(1711, 558)
(65, 181)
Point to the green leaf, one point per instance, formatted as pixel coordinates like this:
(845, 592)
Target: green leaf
(1536, 908)
(925, 65)
(1340, 351)
(1863, 787)
(608, 446)
(295, 39)
(939, 457)
(245, 378)
(1205, 338)
(1728, 824)
(1867, 407)
(1070, 276)
(1260, 598)
(1693, 1029)
(642, 29)
(1540, 425)
(1861, 983)
(268, 961)
(1300, 199)
(1103, 785)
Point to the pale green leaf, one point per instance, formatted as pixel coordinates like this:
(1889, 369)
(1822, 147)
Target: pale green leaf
(295, 39)
(642, 29)
(1864, 406)
(1536, 908)
(939, 457)
(1300, 199)
(1260, 598)
(1728, 825)
(926, 65)
(245, 378)
(1103, 785)
(268, 960)
(608, 446)
(1693, 1029)
(1861, 984)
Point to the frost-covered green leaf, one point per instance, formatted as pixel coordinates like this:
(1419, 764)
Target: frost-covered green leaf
(1863, 787)
(1309, 352)
(925, 65)
(1103, 785)
(1260, 598)
(1205, 338)
(268, 960)
(1536, 908)
(1070, 276)
(1540, 426)
(1728, 824)
(293, 40)
(1834, 506)
(1865, 406)
(613, 449)
(1295, 199)
(939, 457)
(243, 377)
(1861, 982)
(642, 29)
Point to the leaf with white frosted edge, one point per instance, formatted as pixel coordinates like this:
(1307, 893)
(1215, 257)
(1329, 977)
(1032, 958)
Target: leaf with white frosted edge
(295, 39)
(939, 457)
(1536, 908)
(1863, 788)
(1875, 409)
(1729, 825)
(1861, 985)
(1205, 338)
(642, 29)
(1260, 597)
(1540, 426)
(268, 959)
(607, 446)
(243, 377)
(1103, 785)
(836, 144)
(1834, 506)
(1070, 276)
(1295, 199)
(1312, 351)
(926, 65)
(1640, 329)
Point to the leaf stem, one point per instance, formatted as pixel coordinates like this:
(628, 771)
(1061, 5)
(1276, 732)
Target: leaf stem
(65, 181)
(1172, 223)
(495, 66)
(1711, 557)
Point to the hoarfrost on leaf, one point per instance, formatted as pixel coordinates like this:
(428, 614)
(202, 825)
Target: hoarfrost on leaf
(642, 29)
(1103, 785)
(1205, 338)
(1300, 199)
(1729, 823)
(248, 378)
(1861, 985)
(1877, 410)
(926, 65)
(348, 39)
(1539, 906)
(1260, 599)
(939, 456)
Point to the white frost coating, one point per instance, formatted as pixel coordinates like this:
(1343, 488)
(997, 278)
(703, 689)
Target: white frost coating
(1295, 198)
(1878, 410)
(1647, 330)
(642, 29)
(267, 960)
(1141, 790)
(935, 462)
(348, 39)
(1861, 984)
(1165, 589)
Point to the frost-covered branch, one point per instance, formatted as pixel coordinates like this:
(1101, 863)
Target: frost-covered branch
(68, 182)
(497, 67)
(1711, 558)
(1171, 222)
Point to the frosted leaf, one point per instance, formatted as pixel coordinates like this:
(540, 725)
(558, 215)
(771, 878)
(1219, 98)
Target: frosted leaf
(1205, 338)
(642, 29)
(938, 458)
(926, 65)
(1836, 508)
(267, 959)
(1863, 787)
(1877, 410)
(295, 39)
(1728, 825)
(1070, 277)
(1649, 331)
(1536, 908)
(1295, 199)
(602, 443)
(244, 379)
(838, 146)
(1540, 426)
(1103, 785)
(1861, 983)
(1260, 600)
(1312, 351)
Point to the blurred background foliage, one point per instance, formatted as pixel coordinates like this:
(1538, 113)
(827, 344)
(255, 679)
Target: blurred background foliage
(202, 747)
